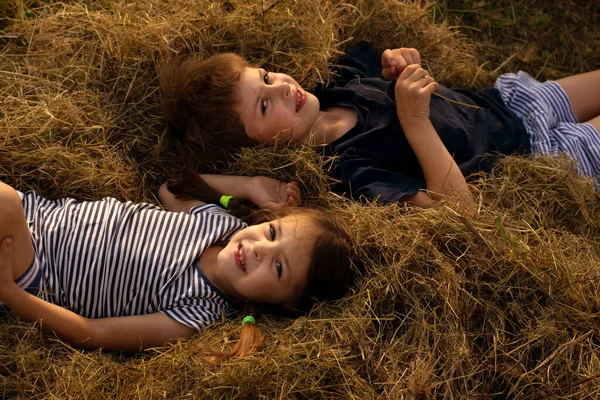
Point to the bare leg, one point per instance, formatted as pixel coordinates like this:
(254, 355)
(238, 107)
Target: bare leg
(13, 223)
(595, 122)
(584, 92)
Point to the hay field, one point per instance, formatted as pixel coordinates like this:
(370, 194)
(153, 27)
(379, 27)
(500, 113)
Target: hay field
(503, 304)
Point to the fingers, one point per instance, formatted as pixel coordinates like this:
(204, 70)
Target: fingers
(390, 72)
(414, 74)
(293, 192)
(411, 56)
(393, 62)
(432, 86)
(413, 91)
(389, 65)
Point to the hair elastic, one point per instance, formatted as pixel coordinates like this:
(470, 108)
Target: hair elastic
(249, 318)
(225, 201)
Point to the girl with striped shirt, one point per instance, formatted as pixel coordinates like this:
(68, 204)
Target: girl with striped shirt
(124, 276)
(396, 134)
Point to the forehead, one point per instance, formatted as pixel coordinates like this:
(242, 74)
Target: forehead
(300, 227)
(248, 89)
(299, 233)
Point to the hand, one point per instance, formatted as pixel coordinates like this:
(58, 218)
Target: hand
(393, 62)
(413, 92)
(272, 194)
(6, 271)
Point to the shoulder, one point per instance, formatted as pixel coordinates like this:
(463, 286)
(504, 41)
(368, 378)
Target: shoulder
(218, 220)
(216, 211)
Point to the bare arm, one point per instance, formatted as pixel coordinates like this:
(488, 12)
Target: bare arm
(130, 334)
(442, 175)
(172, 203)
(413, 90)
(265, 192)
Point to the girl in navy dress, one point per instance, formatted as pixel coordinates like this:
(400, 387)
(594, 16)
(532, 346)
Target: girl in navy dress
(397, 135)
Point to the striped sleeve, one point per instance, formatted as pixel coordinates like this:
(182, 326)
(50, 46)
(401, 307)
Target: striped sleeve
(233, 224)
(198, 313)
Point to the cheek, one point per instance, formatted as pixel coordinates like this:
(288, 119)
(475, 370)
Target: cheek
(225, 256)
(280, 121)
(258, 288)
(258, 132)
(267, 130)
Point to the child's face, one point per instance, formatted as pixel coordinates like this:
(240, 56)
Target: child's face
(275, 106)
(268, 263)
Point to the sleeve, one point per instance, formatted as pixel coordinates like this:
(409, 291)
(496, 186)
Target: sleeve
(363, 176)
(361, 61)
(209, 208)
(228, 223)
(196, 313)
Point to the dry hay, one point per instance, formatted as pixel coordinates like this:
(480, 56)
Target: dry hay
(500, 304)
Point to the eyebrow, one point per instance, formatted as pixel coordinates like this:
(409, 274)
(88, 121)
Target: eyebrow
(285, 259)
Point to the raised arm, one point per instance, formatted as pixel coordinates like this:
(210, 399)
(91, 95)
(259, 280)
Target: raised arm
(443, 177)
(170, 202)
(130, 334)
(265, 192)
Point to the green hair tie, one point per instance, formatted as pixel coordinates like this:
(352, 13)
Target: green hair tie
(249, 318)
(225, 201)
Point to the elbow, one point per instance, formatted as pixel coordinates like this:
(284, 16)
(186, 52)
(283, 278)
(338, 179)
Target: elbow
(463, 199)
(166, 198)
(467, 203)
(430, 198)
(89, 338)
(421, 199)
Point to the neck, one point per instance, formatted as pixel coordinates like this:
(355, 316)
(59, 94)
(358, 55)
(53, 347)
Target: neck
(332, 124)
(209, 265)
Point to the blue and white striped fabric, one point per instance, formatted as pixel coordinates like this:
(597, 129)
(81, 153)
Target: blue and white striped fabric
(111, 259)
(30, 280)
(546, 112)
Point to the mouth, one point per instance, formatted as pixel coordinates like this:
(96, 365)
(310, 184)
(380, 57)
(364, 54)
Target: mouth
(238, 255)
(300, 99)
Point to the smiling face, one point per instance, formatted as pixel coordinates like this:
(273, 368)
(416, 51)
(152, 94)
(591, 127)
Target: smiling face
(268, 263)
(273, 105)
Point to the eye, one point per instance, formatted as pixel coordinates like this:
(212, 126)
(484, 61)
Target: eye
(263, 106)
(272, 230)
(279, 268)
(266, 78)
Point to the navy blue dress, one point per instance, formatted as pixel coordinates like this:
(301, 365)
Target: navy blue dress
(374, 158)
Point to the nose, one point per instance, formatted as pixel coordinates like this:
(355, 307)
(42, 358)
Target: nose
(284, 89)
(261, 249)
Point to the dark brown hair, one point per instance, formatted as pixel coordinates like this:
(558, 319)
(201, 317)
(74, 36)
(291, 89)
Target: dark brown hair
(330, 273)
(199, 100)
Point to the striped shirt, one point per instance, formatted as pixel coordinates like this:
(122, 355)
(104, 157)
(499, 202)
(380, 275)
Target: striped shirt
(110, 259)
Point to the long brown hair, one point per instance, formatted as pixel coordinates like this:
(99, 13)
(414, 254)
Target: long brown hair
(199, 100)
(330, 272)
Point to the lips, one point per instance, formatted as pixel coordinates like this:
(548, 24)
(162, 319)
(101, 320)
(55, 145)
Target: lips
(300, 99)
(239, 257)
